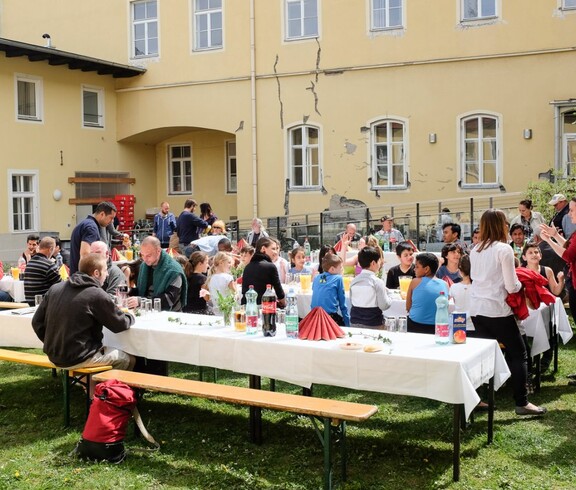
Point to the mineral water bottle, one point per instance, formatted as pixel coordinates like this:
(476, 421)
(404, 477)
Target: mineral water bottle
(21, 267)
(386, 244)
(307, 249)
(291, 315)
(442, 331)
(269, 312)
(251, 311)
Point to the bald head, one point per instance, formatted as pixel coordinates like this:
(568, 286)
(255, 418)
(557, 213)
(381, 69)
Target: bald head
(47, 246)
(99, 248)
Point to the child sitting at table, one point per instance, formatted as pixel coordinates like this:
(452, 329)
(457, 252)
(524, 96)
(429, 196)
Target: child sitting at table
(460, 292)
(422, 294)
(328, 290)
(220, 280)
(195, 271)
(405, 253)
(368, 295)
(298, 261)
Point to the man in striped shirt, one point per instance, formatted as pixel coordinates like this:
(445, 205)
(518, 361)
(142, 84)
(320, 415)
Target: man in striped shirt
(41, 272)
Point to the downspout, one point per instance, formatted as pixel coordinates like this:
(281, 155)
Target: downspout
(253, 107)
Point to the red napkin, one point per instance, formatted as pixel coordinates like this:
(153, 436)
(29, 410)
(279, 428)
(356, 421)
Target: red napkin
(318, 325)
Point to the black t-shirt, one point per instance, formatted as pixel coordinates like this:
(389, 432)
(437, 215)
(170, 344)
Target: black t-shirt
(392, 279)
(195, 303)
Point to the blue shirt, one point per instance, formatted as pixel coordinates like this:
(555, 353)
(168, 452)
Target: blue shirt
(424, 296)
(88, 230)
(328, 293)
(164, 226)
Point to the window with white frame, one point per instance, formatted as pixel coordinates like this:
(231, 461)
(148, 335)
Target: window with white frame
(304, 157)
(180, 169)
(388, 146)
(231, 169)
(23, 200)
(569, 4)
(480, 150)
(28, 98)
(386, 14)
(92, 107)
(301, 18)
(208, 24)
(144, 28)
(478, 9)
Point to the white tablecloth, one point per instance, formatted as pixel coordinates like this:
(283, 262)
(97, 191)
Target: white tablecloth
(537, 326)
(414, 365)
(13, 288)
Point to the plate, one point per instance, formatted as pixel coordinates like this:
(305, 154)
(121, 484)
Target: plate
(372, 348)
(351, 346)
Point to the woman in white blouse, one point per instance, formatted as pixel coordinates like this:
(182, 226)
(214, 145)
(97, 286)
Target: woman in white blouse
(493, 278)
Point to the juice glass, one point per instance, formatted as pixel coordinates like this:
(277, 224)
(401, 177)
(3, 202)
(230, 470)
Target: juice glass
(240, 320)
(129, 254)
(404, 285)
(15, 273)
(305, 282)
(347, 281)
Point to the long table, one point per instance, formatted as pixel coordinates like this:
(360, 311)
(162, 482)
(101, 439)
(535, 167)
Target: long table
(413, 365)
(14, 288)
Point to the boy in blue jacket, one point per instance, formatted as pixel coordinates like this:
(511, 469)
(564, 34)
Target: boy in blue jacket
(328, 290)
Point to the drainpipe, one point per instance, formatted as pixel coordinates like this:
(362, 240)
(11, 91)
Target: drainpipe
(253, 107)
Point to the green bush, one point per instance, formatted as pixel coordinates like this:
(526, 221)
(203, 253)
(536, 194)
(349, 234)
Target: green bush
(541, 191)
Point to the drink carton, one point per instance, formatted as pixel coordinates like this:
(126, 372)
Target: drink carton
(459, 328)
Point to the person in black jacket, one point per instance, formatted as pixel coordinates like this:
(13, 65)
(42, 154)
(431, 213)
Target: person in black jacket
(70, 318)
(261, 271)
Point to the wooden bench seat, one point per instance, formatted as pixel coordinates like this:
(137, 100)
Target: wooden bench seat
(70, 377)
(9, 305)
(332, 413)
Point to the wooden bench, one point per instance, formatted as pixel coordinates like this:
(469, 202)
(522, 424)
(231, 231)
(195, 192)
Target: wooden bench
(9, 305)
(333, 414)
(70, 377)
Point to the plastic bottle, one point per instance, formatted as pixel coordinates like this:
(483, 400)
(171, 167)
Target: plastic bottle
(291, 315)
(251, 311)
(442, 330)
(21, 267)
(269, 312)
(307, 249)
(386, 242)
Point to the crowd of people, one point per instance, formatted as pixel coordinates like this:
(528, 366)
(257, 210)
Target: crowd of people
(188, 262)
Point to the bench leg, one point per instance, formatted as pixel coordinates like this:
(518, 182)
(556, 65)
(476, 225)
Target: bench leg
(66, 387)
(327, 455)
(255, 413)
(490, 410)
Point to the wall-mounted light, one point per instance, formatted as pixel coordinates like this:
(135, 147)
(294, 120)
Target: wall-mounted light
(527, 134)
(432, 138)
(57, 194)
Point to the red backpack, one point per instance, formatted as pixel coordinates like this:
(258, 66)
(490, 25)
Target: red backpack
(105, 429)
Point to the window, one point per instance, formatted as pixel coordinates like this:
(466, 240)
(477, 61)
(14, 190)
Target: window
(231, 170)
(180, 162)
(92, 107)
(304, 157)
(208, 24)
(478, 9)
(386, 14)
(480, 143)
(301, 18)
(23, 200)
(144, 29)
(569, 4)
(28, 98)
(569, 141)
(388, 154)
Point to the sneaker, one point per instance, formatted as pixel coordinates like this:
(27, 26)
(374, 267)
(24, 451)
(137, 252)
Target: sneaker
(531, 411)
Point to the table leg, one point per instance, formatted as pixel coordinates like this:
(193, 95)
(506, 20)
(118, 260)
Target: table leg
(538, 374)
(456, 437)
(490, 410)
(255, 412)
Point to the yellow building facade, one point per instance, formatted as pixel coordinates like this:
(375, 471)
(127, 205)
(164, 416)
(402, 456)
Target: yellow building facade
(276, 107)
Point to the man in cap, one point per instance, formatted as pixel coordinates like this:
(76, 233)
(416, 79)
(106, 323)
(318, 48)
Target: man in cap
(561, 220)
(387, 227)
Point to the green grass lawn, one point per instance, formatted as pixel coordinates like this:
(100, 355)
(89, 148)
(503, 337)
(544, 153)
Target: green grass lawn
(406, 445)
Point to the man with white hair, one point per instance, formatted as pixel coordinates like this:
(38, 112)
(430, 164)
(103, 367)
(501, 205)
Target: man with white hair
(561, 220)
(116, 277)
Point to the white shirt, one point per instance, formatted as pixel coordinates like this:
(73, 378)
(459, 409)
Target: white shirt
(282, 265)
(493, 277)
(460, 292)
(219, 282)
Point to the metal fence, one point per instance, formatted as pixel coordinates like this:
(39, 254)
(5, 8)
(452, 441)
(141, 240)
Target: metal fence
(419, 221)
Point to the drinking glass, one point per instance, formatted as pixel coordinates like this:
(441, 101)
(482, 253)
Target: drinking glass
(404, 285)
(157, 305)
(239, 319)
(390, 323)
(305, 282)
(147, 305)
(402, 324)
(37, 299)
(15, 273)
(347, 281)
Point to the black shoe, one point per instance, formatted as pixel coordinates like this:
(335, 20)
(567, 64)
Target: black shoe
(572, 382)
(571, 376)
